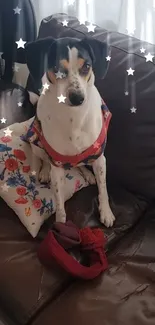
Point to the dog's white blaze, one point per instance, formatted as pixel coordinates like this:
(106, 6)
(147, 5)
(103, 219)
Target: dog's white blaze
(73, 56)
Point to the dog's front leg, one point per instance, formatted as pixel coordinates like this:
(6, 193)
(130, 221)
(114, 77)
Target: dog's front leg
(106, 215)
(57, 186)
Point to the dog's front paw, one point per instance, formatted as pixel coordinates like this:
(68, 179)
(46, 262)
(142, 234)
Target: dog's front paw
(106, 216)
(60, 216)
(44, 174)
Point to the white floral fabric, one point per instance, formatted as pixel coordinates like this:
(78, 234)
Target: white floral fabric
(32, 201)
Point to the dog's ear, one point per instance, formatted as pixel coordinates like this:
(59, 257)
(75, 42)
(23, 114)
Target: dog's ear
(98, 52)
(37, 57)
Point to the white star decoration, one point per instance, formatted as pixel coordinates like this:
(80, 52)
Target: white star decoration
(149, 57)
(82, 21)
(20, 43)
(3, 120)
(5, 187)
(126, 93)
(1, 53)
(17, 10)
(133, 110)
(108, 58)
(61, 98)
(20, 104)
(131, 31)
(45, 87)
(91, 28)
(142, 50)
(59, 74)
(8, 132)
(33, 173)
(65, 23)
(130, 72)
(16, 68)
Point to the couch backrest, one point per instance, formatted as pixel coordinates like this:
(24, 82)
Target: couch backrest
(130, 149)
(14, 26)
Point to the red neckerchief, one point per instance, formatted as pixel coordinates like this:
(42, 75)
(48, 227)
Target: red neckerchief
(90, 241)
(92, 150)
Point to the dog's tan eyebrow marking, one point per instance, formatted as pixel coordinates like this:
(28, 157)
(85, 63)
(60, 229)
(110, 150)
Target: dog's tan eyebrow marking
(65, 64)
(80, 62)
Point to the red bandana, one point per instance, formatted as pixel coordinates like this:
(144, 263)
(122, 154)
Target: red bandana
(90, 241)
(35, 135)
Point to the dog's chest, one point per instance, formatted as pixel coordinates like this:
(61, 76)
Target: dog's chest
(67, 138)
(70, 131)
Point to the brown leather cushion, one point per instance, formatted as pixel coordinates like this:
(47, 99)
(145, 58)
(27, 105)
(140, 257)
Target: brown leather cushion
(122, 295)
(25, 285)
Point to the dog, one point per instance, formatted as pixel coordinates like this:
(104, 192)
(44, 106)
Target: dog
(71, 133)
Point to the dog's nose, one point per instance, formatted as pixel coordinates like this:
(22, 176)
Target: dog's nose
(76, 99)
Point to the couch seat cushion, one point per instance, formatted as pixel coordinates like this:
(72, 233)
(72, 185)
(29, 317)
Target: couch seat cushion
(122, 295)
(25, 285)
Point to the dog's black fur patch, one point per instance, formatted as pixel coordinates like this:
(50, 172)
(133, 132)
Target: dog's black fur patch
(44, 54)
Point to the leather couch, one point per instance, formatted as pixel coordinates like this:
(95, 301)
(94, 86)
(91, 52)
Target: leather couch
(125, 294)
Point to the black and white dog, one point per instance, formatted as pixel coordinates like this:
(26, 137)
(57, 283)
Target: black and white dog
(71, 123)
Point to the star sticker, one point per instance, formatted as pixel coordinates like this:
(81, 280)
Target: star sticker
(17, 10)
(71, 2)
(59, 74)
(126, 93)
(20, 43)
(149, 57)
(142, 50)
(46, 86)
(8, 132)
(3, 120)
(91, 28)
(61, 99)
(131, 31)
(130, 72)
(33, 173)
(82, 21)
(20, 104)
(1, 53)
(5, 187)
(108, 58)
(65, 23)
(16, 68)
(133, 110)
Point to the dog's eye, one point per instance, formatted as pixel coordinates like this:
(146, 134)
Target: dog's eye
(85, 69)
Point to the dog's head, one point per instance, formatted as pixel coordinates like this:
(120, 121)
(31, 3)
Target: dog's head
(74, 61)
